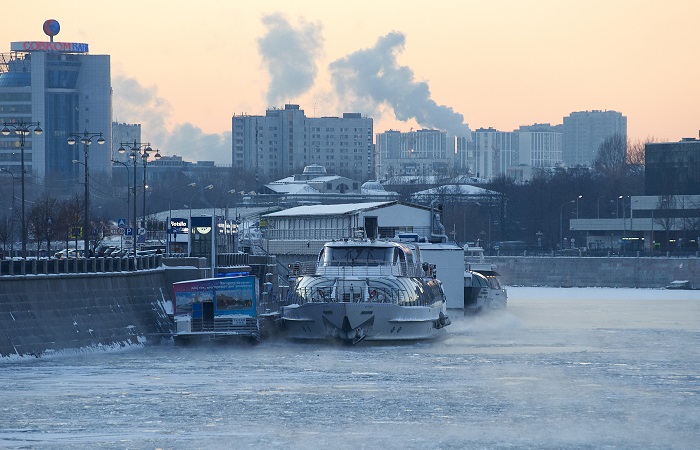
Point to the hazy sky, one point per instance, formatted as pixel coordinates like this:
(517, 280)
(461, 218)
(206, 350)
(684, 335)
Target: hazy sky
(183, 68)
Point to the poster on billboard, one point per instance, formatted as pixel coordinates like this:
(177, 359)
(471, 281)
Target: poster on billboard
(229, 295)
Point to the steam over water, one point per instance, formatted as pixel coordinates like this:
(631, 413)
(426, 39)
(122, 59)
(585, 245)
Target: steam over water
(560, 368)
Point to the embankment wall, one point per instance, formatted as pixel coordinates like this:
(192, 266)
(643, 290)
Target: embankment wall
(595, 272)
(44, 313)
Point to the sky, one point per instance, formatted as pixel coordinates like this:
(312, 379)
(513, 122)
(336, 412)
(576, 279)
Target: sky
(182, 69)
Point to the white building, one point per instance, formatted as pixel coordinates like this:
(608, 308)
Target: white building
(415, 153)
(584, 131)
(284, 141)
(68, 91)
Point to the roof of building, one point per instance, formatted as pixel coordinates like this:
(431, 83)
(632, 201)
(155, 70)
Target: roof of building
(328, 210)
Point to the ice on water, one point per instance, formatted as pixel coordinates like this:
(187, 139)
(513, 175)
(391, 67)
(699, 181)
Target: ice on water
(560, 368)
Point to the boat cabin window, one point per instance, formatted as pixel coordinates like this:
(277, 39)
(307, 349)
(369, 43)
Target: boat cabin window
(356, 255)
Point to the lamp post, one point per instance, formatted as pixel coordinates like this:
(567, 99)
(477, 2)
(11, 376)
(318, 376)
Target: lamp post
(86, 139)
(137, 149)
(577, 199)
(144, 158)
(561, 222)
(598, 204)
(189, 224)
(12, 219)
(170, 215)
(22, 129)
(215, 230)
(128, 189)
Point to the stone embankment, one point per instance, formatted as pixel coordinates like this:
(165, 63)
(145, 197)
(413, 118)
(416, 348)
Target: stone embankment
(595, 272)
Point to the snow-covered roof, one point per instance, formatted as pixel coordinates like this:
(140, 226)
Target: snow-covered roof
(452, 189)
(292, 188)
(327, 210)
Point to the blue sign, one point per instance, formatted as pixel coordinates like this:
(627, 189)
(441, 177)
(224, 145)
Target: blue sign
(129, 231)
(121, 223)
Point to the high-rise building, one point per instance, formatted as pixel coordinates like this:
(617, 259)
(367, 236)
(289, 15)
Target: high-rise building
(68, 91)
(124, 132)
(284, 141)
(493, 152)
(584, 132)
(420, 153)
(540, 145)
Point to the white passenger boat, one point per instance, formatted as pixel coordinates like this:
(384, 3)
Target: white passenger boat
(482, 290)
(365, 290)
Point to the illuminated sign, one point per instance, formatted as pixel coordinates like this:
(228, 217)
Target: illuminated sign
(178, 225)
(37, 46)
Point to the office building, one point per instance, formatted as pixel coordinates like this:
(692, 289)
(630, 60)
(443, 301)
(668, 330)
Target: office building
(284, 141)
(414, 153)
(585, 131)
(68, 91)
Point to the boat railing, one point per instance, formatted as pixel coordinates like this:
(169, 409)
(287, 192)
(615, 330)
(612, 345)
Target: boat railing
(359, 269)
(402, 297)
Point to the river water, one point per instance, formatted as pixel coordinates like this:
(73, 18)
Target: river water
(560, 368)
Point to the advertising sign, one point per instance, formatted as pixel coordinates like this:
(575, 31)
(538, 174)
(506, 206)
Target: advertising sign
(231, 295)
(178, 225)
(39, 46)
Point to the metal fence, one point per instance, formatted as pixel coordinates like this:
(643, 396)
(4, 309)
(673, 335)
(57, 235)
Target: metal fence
(52, 266)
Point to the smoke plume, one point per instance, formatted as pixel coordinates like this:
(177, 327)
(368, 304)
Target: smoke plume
(371, 77)
(143, 105)
(289, 54)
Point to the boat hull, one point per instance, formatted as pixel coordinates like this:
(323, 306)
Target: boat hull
(365, 321)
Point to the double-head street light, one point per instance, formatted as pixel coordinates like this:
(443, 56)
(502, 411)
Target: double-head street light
(86, 138)
(22, 129)
(138, 150)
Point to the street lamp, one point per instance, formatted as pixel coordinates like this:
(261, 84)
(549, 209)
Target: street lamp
(12, 219)
(598, 203)
(215, 230)
(137, 149)
(144, 157)
(577, 199)
(22, 129)
(561, 221)
(170, 215)
(128, 188)
(189, 224)
(86, 139)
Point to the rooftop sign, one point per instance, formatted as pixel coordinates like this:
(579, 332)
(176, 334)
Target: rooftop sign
(37, 46)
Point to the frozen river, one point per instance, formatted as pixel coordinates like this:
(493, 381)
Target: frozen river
(561, 368)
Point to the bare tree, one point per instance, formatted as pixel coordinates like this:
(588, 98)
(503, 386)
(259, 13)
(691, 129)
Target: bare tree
(663, 214)
(41, 221)
(5, 231)
(611, 159)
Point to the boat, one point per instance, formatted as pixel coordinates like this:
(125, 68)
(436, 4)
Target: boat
(482, 290)
(365, 290)
(216, 309)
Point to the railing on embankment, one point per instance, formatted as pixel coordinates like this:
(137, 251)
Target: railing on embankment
(52, 266)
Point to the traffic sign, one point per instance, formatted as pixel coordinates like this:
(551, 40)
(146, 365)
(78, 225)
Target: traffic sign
(129, 231)
(122, 230)
(142, 231)
(121, 223)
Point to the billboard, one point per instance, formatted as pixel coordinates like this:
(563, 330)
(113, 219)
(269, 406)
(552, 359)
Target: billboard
(40, 46)
(230, 295)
